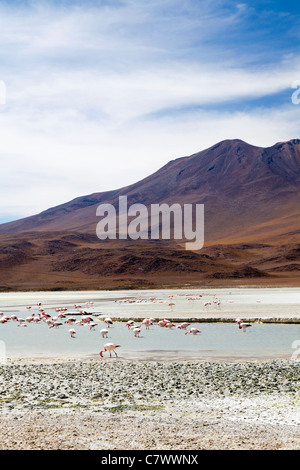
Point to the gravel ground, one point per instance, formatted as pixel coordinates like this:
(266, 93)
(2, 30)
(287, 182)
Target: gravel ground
(120, 404)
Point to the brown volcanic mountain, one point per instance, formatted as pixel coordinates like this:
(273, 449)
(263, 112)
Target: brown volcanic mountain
(252, 213)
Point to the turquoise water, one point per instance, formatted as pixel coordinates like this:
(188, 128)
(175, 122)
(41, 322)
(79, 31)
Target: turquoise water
(221, 340)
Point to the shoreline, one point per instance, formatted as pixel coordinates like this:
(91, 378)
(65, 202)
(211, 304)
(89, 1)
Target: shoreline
(211, 319)
(260, 306)
(141, 356)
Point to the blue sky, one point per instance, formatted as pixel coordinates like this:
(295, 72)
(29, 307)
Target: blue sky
(100, 94)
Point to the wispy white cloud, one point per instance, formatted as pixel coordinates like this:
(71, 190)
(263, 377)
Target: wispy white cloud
(94, 92)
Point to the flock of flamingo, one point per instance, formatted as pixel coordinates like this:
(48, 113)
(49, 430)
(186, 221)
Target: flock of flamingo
(163, 323)
(62, 317)
(137, 329)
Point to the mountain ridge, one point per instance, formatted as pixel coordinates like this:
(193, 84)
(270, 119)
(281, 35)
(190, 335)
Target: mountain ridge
(251, 200)
(223, 177)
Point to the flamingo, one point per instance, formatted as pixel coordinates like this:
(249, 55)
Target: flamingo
(86, 319)
(136, 331)
(147, 322)
(183, 325)
(46, 315)
(169, 324)
(55, 324)
(110, 347)
(70, 320)
(242, 325)
(104, 333)
(72, 333)
(193, 331)
(108, 321)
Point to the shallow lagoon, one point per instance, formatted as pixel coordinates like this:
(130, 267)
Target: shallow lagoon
(217, 340)
(222, 340)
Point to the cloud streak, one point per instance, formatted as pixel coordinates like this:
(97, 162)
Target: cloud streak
(100, 94)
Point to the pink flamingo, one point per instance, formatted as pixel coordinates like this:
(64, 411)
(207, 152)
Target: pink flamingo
(55, 324)
(108, 321)
(72, 333)
(70, 320)
(110, 347)
(242, 325)
(147, 322)
(136, 331)
(86, 319)
(104, 333)
(46, 315)
(169, 324)
(183, 325)
(193, 331)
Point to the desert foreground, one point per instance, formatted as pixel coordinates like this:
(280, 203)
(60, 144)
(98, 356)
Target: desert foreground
(116, 404)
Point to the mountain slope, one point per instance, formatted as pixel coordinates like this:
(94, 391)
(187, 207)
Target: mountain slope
(252, 228)
(250, 193)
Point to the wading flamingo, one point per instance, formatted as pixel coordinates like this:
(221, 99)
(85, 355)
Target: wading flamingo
(70, 320)
(108, 321)
(169, 324)
(242, 325)
(193, 331)
(72, 333)
(110, 347)
(104, 333)
(183, 325)
(136, 331)
(147, 322)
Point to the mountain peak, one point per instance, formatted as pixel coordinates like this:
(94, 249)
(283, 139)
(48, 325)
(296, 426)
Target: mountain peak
(237, 182)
